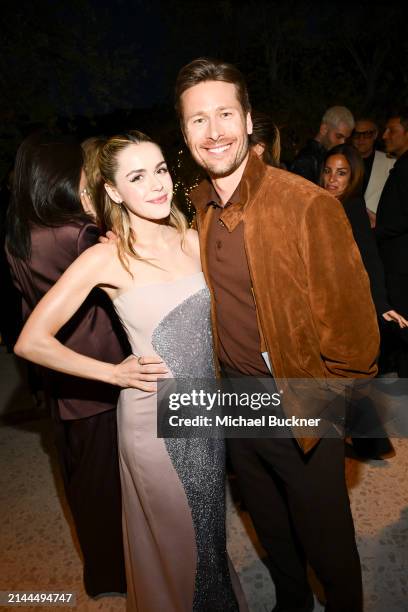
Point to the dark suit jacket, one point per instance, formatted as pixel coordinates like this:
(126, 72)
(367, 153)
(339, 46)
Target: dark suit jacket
(392, 219)
(93, 331)
(308, 162)
(392, 236)
(355, 209)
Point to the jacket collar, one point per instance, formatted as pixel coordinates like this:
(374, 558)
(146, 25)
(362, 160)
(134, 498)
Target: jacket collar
(402, 158)
(251, 181)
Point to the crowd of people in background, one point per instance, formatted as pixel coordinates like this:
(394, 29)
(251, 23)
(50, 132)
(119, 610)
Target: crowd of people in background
(365, 184)
(63, 197)
(368, 177)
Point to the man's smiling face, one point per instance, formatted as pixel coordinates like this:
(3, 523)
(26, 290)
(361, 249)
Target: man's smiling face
(215, 127)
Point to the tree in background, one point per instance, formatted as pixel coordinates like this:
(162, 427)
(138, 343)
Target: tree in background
(61, 60)
(99, 57)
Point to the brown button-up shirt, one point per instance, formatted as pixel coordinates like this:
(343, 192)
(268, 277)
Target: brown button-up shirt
(239, 345)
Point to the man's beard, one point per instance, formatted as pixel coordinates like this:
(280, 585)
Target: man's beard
(326, 143)
(218, 171)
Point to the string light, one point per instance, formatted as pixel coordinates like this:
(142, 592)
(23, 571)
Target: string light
(184, 186)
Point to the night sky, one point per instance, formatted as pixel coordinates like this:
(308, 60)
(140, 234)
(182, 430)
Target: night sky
(89, 64)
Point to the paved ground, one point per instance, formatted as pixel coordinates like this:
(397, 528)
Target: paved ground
(38, 549)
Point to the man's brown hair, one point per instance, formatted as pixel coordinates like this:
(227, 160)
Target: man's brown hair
(266, 133)
(207, 69)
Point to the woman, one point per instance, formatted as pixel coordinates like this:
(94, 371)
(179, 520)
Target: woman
(342, 175)
(173, 489)
(47, 231)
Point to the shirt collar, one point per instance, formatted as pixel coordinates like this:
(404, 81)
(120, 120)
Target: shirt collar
(402, 157)
(205, 194)
(214, 198)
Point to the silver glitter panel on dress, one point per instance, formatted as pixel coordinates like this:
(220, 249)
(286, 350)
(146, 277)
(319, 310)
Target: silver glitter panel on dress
(183, 340)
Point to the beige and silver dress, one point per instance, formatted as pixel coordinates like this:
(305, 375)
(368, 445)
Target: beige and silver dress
(173, 489)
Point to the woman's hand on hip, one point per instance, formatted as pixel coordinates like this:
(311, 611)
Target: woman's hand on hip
(139, 372)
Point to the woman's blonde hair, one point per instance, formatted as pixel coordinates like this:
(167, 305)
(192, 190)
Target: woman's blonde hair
(91, 147)
(115, 216)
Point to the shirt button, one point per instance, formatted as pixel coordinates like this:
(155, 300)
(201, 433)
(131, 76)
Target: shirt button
(218, 244)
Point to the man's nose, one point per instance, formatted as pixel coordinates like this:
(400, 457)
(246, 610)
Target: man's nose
(214, 128)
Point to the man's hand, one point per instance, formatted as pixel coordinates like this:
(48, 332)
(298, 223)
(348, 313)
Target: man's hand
(137, 372)
(110, 238)
(392, 315)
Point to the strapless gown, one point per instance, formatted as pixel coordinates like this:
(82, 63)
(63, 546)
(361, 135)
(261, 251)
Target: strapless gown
(173, 489)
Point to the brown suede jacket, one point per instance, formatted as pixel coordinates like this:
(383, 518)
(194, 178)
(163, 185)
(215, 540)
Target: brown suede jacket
(312, 293)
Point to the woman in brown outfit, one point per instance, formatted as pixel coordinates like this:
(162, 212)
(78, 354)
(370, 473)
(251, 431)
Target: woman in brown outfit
(47, 231)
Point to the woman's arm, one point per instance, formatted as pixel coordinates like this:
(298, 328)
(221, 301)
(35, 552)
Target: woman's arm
(96, 266)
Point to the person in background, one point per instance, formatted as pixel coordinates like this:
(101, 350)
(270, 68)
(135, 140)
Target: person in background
(336, 126)
(265, 139)
(91, 175)
(377, 165)
(47, 230)
(392, 226)
(342, 176)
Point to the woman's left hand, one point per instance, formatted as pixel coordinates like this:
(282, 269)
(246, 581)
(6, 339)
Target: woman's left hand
(392, 315)
(110, 238)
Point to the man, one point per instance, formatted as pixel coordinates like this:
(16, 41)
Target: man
(392, 224)
(377, 165)
(336, 126)
(285, 274)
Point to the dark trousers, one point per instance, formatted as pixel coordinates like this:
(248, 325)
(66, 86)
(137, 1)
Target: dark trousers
(300, 509)
(398, 296)
(88, 455)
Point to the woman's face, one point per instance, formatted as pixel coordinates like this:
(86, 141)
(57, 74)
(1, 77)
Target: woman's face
(336, 175)
(143, 182)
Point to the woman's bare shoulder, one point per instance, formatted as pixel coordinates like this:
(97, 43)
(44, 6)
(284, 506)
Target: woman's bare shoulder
(99, 261)
(100, 253)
